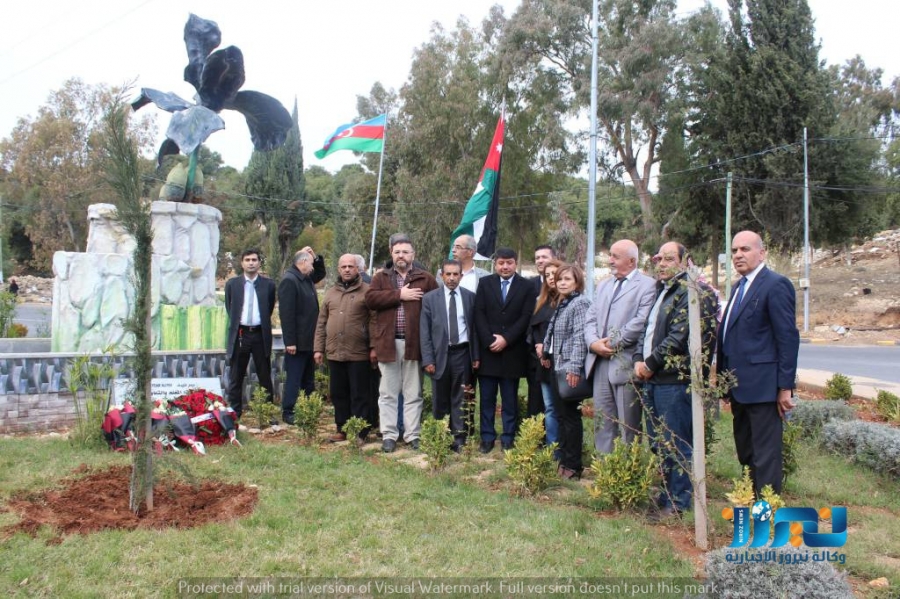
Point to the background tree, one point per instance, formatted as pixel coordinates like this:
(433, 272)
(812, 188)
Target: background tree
(54, 168)
(276, 185)
(641, 53)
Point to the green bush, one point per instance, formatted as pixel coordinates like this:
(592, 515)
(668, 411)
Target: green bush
(811, 415)
(838, 386)
(7, 312)
(307, 413)
(870, 444)
(261, 409)
(87, 384)
(530, 463)
(435, 439)
(790, 437)
(800, 580)
(17, 330)
(887, 405)
(624, 478)
(353, 428)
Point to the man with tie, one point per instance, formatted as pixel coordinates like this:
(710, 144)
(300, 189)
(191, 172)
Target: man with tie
(615, 324)
(503, 306)
(298, 307)
(758, 343)
(449, 352)
(249, 302)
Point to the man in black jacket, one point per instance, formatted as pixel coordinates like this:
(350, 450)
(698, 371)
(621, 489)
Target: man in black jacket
(249, 302)
(663, 362)
(298, 307)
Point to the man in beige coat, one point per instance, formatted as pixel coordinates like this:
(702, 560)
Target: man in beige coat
(342, 335)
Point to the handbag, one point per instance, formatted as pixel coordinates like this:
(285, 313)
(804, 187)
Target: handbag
(582, 390)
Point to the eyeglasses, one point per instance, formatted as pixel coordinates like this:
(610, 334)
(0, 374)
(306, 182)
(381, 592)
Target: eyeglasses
(461, 247)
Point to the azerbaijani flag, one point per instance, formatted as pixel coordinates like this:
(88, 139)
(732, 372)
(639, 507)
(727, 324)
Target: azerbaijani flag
(367, 136)
(480, 216)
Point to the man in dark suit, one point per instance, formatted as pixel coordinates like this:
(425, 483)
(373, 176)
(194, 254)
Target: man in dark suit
(249, 302)
(615, 326)
(503, 306)
(542, 255)
(758, 343)
(298, 306)
(449, 352)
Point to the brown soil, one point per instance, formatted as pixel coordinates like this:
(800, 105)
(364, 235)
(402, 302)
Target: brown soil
(99, 501)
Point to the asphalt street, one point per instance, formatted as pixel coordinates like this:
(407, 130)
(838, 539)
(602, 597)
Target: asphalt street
(876, 362)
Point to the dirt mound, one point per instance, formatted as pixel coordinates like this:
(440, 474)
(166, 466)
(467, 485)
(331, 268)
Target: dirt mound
(99, 501)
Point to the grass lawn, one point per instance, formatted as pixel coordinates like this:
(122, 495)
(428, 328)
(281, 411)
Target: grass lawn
(332, 513)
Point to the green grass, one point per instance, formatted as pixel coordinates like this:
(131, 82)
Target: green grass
(333, 513)
(321, 514)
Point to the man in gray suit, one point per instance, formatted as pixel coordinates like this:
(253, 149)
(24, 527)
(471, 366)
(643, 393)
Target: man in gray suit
(449, 351)
(615, 325)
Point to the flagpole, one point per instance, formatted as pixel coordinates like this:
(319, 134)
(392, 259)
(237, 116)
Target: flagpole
(592, 171)
(377, 198)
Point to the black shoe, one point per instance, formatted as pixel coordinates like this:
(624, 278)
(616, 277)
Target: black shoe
(506, 446)
(457, 446)
(414, 445)
(388, 446)
(289, 420)
(486, 447)
(661, 514)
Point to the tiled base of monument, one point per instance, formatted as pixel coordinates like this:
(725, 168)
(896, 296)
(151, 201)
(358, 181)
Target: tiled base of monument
(35, 394)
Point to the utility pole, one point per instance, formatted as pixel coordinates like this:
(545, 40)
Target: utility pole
(728, 237)
(804, 282)
(592, 178)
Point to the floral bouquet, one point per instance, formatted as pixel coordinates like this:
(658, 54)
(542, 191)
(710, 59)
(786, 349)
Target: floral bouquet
(184, 430)
(118, 427)
(210, 413)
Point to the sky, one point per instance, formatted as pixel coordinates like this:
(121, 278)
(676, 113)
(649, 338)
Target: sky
(323, 54)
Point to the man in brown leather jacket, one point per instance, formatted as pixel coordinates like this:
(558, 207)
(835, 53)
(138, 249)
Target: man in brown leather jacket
(396, 297)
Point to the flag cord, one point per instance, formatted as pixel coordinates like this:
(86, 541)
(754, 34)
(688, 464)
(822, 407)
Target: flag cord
(377, 198)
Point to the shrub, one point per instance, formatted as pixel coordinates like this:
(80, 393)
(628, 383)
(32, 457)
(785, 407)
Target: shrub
(838, 386)
(261, 409)
(876, 446)
(17, 330)
(322, 381)
(530, 463)
(772, 579)
(353, 428)
(742, 492)
(435, 439)
(307, 413)
(790, 437)
(887, 405)
(87, 384)
(7, 312)
(623, 478)
(810, 416)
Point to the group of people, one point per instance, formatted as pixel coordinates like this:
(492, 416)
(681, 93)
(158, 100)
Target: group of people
(469, 327)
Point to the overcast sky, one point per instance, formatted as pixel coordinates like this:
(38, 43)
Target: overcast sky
(322, 53)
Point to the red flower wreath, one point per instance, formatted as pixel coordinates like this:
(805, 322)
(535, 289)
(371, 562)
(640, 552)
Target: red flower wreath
(211, 416)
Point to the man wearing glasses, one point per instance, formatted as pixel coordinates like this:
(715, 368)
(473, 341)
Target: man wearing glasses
(464, 250)
(396, 297)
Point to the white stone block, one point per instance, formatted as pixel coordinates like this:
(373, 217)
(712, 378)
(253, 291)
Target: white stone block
(84, 278)
(199, 245)
(163, 235)
(115, 303)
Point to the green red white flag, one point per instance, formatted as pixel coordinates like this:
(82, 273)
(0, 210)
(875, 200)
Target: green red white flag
(480, 216)
(367, 136)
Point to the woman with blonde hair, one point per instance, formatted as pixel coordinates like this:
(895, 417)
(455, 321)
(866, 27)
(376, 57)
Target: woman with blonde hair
(537, 329)
(564, 351)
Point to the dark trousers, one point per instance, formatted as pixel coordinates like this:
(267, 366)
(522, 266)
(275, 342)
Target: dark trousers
(249, 343)
(448, 391)
(571, 432)
(535, 394)
(300, 371)
(758, 440)
(509, 411)
(670, 427)
(349, 387)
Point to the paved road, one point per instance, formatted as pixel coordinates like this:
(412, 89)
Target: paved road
(874, 362)
(36, 317)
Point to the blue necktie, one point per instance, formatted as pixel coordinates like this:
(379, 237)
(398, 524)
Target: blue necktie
(504, 288)
(736, 303)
